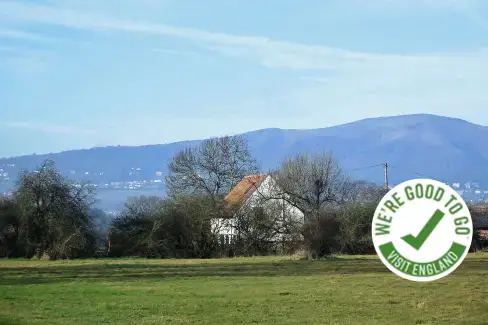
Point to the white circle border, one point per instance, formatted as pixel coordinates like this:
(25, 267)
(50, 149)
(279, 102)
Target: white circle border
(408, 276)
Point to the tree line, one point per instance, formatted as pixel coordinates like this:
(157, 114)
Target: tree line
(50, 216)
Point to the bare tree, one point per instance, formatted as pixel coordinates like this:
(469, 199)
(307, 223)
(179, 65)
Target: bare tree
(143, 207)
(367, 193)
(256, 230)
(212, 169)
(312, 182)
(316, 186)
(266, 224)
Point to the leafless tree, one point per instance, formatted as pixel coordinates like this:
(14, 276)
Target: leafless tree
(212, 169)
(266, 224)
(315, 185)
(143, 206)
(367, 193)
(312, 182)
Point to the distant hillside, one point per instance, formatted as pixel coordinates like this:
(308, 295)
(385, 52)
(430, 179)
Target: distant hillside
(447, 149)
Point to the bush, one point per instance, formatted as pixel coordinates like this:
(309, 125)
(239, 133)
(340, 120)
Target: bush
(9, 228)
(322, 234)
(355, 229)
(346, 230)
(479, 242)
(173, 228)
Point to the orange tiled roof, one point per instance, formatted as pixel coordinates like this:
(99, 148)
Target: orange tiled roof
(244, 189)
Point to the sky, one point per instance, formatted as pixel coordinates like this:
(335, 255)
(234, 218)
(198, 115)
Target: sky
(85, 73)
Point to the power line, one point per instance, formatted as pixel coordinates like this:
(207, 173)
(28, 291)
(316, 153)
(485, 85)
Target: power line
(410, 171)
(416, 173)
(366, 167)
(386, 166)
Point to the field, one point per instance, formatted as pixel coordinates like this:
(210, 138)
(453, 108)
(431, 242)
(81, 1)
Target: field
(267, 290)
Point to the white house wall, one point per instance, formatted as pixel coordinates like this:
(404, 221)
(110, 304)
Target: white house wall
(265, 189)
(223, 226)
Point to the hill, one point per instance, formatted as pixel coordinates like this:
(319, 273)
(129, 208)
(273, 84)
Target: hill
(421, 145)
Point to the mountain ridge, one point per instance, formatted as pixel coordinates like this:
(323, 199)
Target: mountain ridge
(390, 117)
(449, 149)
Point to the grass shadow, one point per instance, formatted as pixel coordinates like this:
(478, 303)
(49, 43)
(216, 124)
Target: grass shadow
(110, 271)
(127, 271)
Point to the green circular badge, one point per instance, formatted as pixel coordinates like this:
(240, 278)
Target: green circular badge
(422, 230)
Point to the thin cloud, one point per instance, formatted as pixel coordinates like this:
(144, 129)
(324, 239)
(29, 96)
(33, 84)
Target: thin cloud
(271, 53)
(19, 34)
(355, 79)
(359, 69)
(49, 128)
(361, 7)
(177, 53)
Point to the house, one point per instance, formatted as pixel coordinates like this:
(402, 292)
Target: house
(254, 192)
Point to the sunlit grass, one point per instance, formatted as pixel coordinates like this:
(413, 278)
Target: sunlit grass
(259, 290)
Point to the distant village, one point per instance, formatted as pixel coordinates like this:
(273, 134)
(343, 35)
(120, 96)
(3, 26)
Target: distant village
(8, 173)
(472, 192)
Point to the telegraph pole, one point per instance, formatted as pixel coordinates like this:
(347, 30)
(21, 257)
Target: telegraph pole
(385, 165)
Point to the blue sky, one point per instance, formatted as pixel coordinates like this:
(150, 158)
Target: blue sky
(84, 73)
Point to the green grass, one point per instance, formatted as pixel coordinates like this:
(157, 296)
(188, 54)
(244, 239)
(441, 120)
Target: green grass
(269, 290)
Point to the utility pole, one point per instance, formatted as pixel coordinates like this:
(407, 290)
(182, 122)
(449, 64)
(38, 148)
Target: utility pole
(385, 165)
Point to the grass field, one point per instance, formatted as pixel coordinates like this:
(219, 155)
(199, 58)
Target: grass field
(268, 290)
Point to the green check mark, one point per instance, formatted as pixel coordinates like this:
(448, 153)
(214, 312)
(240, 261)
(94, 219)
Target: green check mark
(417, 242)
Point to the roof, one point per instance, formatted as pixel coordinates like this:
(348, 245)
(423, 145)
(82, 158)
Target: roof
(244, 189)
